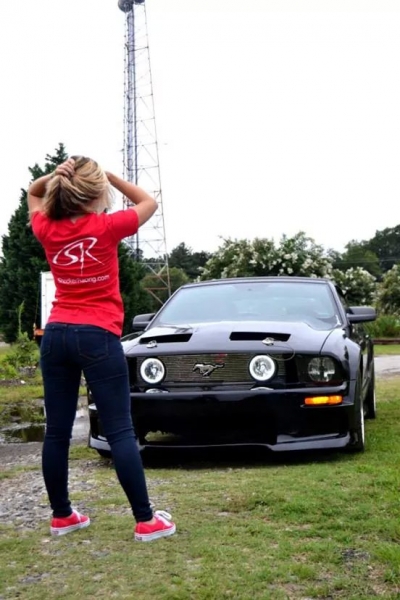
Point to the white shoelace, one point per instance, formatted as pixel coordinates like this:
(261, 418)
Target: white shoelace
(163, 516)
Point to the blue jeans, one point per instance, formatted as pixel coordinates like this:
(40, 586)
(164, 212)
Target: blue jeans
(66, 351)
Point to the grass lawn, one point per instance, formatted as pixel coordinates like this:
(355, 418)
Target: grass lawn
(287, 527)
(387, 349)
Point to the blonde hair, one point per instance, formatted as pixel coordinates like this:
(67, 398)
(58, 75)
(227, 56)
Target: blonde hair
(87, 191)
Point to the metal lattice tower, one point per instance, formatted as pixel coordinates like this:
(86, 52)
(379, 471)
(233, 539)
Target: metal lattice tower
(141, 158)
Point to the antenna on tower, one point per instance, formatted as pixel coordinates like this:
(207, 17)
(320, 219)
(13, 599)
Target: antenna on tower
(141, 158)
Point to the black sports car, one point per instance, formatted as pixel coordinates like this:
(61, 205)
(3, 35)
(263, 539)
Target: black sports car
(280, 362)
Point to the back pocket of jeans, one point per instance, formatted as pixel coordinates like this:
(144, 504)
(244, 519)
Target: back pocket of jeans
(92, 344)
(46, 343)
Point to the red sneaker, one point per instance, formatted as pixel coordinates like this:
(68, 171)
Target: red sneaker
(163, 527)
(63, 525)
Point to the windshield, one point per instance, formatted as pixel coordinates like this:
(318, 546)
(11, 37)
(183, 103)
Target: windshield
(312, 303)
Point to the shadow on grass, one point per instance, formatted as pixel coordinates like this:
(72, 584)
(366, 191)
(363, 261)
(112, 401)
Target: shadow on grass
(232, 458)
(206, 458)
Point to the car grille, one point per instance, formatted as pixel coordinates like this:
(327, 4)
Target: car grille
(179, 368)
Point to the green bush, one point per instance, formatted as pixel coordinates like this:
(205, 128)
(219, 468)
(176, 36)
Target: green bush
(386, 326)
(7, 371)
(24, 354)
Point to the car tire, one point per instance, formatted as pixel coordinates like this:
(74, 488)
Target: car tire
(357, 433)
(104, 453)
(370, 399)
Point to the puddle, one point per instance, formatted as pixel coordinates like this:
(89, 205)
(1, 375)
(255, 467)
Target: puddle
(22, 433)
(34, 432)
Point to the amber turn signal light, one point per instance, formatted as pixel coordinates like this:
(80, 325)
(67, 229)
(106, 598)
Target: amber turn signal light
(318, 400)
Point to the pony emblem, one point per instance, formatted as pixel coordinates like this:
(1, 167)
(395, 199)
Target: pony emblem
(206, 370)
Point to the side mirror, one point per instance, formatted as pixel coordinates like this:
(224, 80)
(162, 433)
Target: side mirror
(140, 322)
(361, 314)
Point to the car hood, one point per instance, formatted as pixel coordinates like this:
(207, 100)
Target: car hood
(229, 337)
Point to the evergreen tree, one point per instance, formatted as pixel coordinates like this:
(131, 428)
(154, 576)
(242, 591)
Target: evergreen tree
(190, 262)
(22, 261)
(136, 299)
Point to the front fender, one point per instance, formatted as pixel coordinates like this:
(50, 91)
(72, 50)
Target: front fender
(348, 352)
(355, 397)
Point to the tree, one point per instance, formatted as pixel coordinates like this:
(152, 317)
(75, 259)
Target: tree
(136, 300)
(356, 255)
(298, 255)
(182, 257)
(389, 292)
(358, 286)
(386, 245)
(177, 278)
(22, 261)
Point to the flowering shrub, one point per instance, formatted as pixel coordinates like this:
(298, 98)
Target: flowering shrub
(358, 286)
(298, 255)
(388, 296)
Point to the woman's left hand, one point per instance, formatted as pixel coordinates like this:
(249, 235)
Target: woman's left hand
(66, 169)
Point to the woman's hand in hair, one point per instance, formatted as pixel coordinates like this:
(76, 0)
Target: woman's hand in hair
(144, 204)
(37, 189)
(66, 169)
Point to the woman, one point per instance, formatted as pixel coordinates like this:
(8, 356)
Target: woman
(68, 217)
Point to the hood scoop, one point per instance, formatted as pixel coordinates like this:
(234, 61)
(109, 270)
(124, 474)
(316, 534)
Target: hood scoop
(171, 338)
(257, 336)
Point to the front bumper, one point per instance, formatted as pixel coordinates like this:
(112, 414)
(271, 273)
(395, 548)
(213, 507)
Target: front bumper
(276, 419)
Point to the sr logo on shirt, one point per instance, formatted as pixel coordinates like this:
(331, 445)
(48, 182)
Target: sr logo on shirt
(77, 252)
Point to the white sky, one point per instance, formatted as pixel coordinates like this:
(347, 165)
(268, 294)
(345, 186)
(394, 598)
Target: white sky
(273, 116)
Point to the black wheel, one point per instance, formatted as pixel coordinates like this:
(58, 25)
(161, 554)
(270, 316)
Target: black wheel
(370, 399)
(357, 433)
(104, 453)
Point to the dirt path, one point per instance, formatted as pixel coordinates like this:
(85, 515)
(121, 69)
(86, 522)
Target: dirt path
(387, 365)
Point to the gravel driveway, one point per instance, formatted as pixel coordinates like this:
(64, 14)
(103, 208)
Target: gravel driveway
(387, 365)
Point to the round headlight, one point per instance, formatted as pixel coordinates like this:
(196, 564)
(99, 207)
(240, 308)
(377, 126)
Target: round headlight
(321, 369)
(262, 368)
(152, 370)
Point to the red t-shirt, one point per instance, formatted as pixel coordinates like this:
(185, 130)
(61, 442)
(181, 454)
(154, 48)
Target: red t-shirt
(83, 258)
